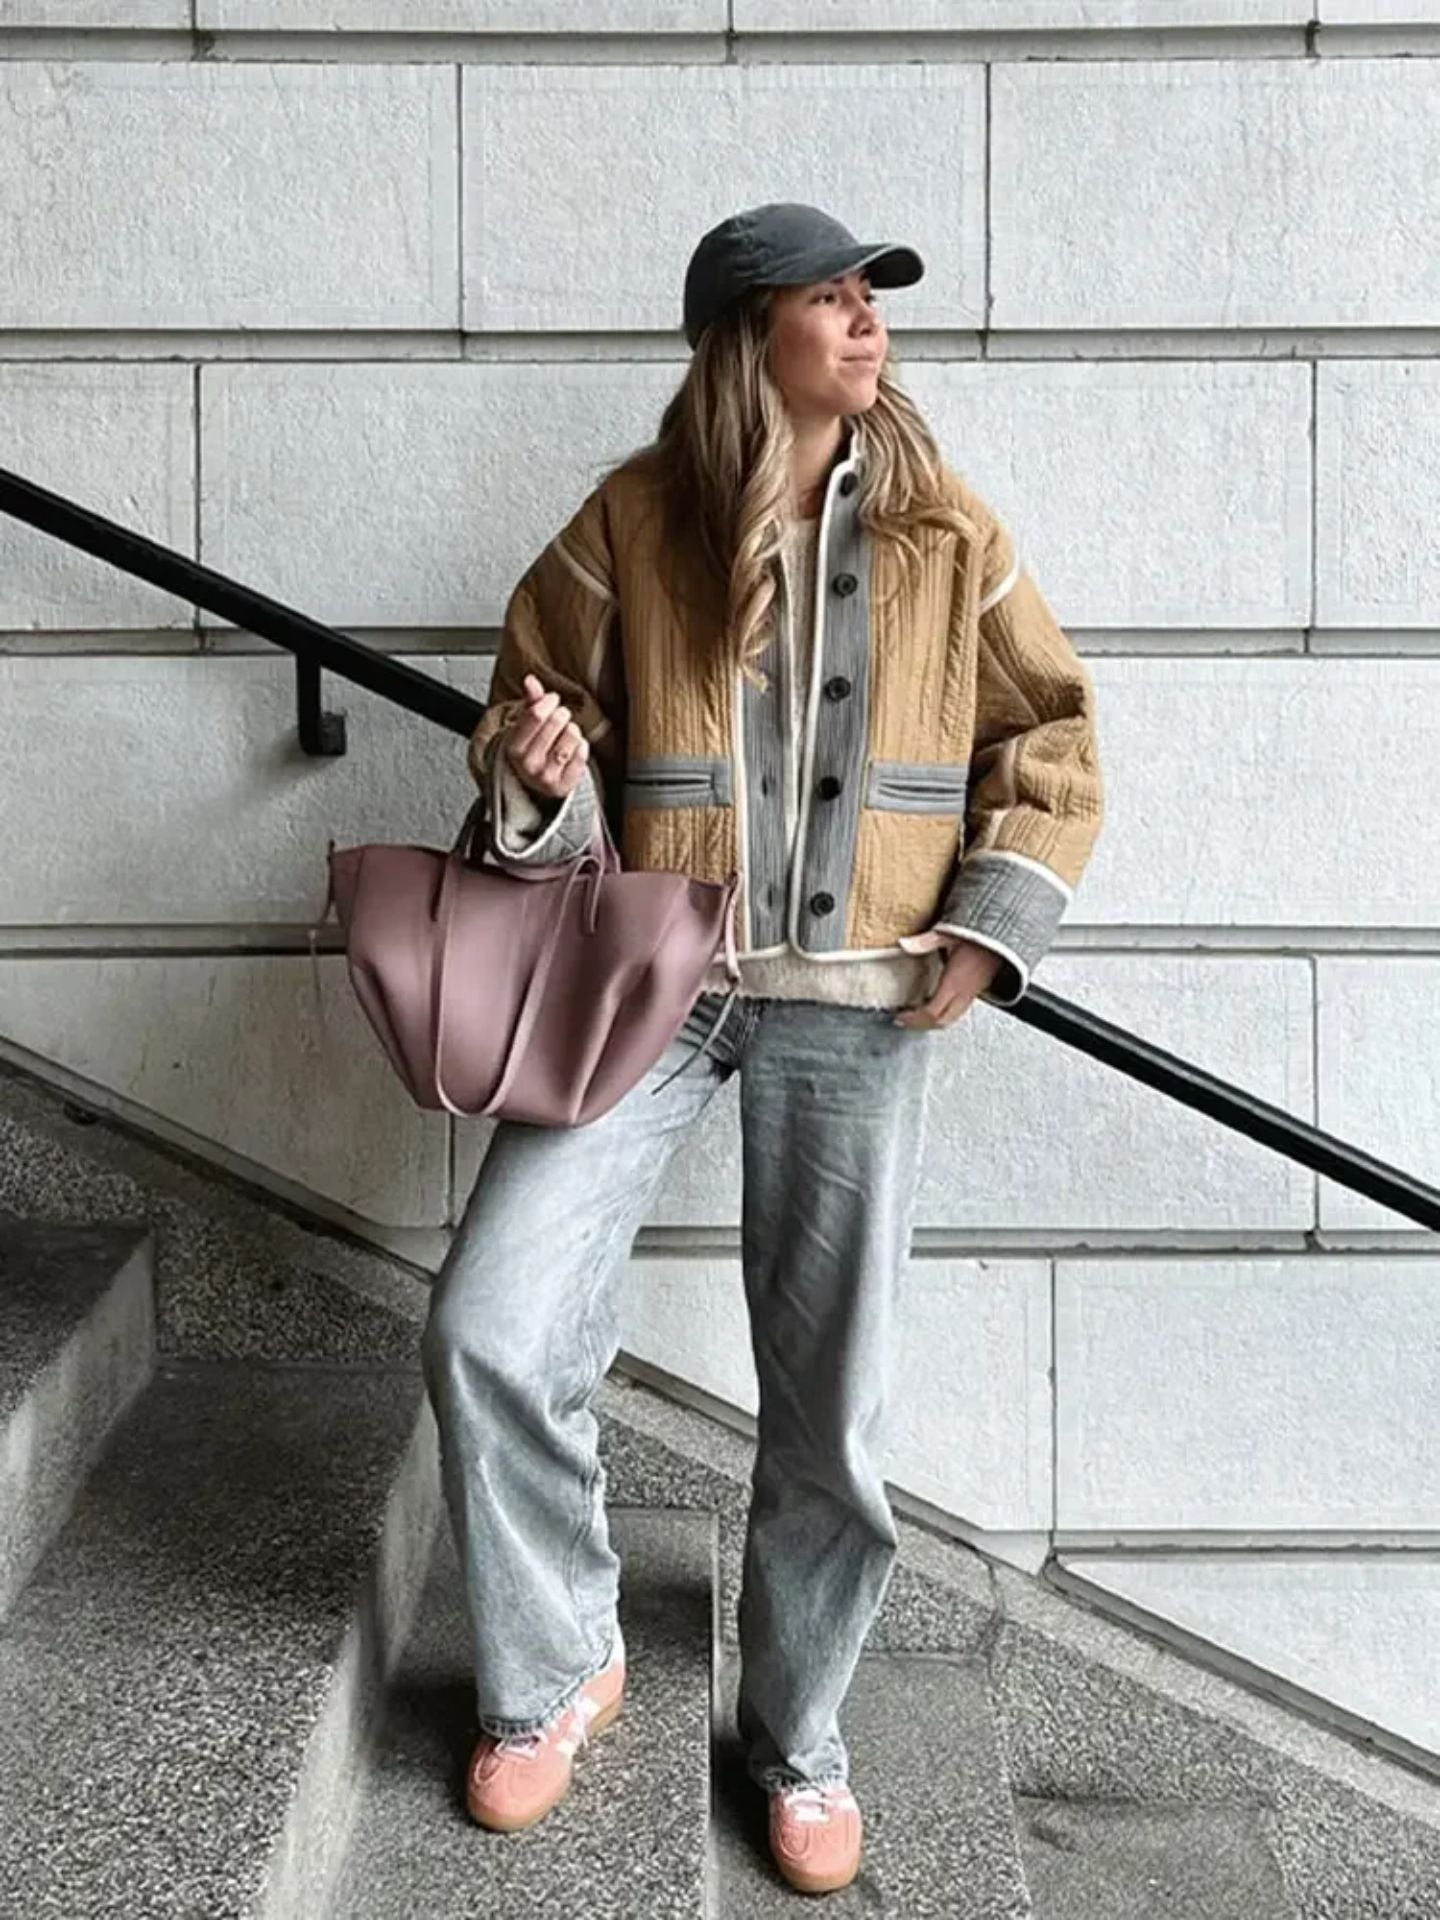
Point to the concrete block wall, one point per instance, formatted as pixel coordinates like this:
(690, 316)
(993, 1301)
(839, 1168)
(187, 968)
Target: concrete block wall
(353, 300)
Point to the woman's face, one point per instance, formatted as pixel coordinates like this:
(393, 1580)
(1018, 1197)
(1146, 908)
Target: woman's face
(827, 340)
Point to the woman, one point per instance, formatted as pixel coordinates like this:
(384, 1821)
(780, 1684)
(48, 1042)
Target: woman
(919, 699)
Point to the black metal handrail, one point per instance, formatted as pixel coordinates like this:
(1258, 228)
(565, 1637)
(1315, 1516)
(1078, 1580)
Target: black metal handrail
(316, 647)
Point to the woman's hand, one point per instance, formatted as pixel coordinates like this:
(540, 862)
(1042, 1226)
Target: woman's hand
(969, 969)
(544, 745)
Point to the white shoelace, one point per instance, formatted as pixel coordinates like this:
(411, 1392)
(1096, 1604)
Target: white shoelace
(526, 1745)
(809, 1802)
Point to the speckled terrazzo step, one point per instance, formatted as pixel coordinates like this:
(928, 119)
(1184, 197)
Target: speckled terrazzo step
(928, 1770)
(188, 1672)
(1106, 1859)
(628, 1840)
(77, 1343)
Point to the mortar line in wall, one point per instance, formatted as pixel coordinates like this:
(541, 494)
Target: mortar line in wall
(89, 942)
(703, 1246)
(63, 644)
(460, 205)
(576, 347)
(197, 613)
(1054, 1371)
(1180, 1545)
(986, 169)
(1405, 643)
(1313, 451)
(1263, 45)
(1313, 967)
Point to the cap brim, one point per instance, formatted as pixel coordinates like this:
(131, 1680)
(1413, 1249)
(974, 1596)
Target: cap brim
(889, 265)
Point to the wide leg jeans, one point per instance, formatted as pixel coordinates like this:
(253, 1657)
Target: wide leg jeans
(523, 1326)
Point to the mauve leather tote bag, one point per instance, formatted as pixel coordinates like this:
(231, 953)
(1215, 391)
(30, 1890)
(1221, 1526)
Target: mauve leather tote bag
(539, 992)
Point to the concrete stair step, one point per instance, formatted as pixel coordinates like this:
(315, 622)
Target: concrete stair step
(1128, 1860)
(77, 1343)
(1092, 1711)
(1089, 1706)
(927, 1768)
(1345, 1634)
(188, 1672)
(629, 1838)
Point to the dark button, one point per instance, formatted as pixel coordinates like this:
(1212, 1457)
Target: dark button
(821, 902)
(848, 482)
(844, 583)
(837, 688)
(765, 784)
(828, 787)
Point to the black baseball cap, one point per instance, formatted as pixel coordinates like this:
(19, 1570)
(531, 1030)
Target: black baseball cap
(783, 243)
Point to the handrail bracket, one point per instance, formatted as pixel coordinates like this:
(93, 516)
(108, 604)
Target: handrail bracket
(321, 732)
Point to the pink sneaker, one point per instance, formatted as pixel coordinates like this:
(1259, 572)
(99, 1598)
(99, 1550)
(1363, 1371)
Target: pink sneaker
(815, 1834)
(514, 1781)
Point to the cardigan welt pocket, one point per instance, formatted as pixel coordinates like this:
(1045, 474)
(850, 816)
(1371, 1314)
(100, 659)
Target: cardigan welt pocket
(678, 780)
(917, 786)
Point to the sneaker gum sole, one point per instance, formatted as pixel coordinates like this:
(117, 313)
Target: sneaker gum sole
(817, 1883)
(808, 1879)
(504, 1823)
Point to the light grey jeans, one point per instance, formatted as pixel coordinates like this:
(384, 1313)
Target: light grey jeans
(523, 1326)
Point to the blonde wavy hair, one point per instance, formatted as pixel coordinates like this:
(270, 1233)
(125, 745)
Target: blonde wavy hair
(720, 464)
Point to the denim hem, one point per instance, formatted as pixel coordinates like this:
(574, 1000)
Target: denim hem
(773, 1777)
(500, 1726)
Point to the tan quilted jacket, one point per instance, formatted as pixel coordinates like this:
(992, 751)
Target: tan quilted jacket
(949, 775)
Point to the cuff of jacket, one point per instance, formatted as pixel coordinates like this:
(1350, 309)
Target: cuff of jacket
(525, 827)
(1011, 904)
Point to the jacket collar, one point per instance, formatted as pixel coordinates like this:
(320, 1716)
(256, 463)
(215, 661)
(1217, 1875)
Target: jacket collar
(849, 460)
(853, 453)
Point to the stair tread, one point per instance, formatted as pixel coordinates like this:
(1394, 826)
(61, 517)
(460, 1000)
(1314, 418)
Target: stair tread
(629, 1837)
(167, 1660)
(1130, 1860)
(52, 1273)
(927, 1769)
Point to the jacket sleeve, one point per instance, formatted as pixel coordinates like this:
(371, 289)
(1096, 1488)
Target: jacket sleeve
(1034, 801)
(527, 826)
(561, 624)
